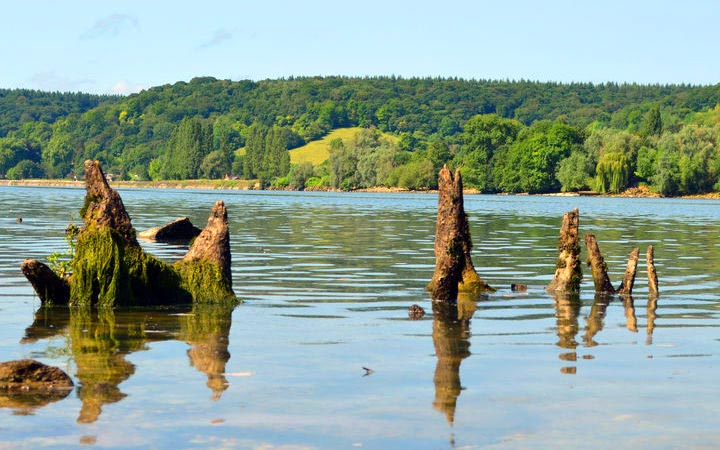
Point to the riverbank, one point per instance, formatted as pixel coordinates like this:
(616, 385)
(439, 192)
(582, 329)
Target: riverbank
(247, 185)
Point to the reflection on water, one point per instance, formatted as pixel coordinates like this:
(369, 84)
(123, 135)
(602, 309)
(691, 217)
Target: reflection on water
(339, 271)
(451, 338)
(101, 339)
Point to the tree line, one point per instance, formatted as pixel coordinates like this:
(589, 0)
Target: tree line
(505, 136)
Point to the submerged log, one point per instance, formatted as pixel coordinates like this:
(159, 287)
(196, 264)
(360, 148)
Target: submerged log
(652, 275)
(48, 285)
(598, 266)
(454, 270)
(568, 273)
(628, 281)
(110, 268)
(179, 230)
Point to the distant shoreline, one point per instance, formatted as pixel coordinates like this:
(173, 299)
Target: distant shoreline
(252, 185)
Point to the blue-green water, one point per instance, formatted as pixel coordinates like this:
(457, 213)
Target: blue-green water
(327, 280)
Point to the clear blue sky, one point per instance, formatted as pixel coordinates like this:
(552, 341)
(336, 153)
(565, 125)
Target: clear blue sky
(113, 46)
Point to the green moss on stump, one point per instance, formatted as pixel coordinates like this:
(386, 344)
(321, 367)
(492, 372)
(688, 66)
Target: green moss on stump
(108, 272)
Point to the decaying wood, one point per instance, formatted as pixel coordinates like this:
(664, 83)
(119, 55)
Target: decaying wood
(568, 272)
(652, 275)
(110, 268)
(454, 270)
(179, 230)
(599, 269)
(628, 281)
(46, 283)
(598, 266)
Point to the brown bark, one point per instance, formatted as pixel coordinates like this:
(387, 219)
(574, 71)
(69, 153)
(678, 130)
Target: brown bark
(47, 284)
(568, 272)
(213, 243)
(454, 270)
(652, 275)
(628, 281)
(598, 266)
(103, 205)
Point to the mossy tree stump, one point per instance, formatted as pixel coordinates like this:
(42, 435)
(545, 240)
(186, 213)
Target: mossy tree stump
(110, 268)
(454, 270)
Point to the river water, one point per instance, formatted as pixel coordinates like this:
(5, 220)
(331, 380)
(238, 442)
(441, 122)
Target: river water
(327, 280)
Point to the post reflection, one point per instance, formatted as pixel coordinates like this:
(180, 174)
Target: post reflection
(567, 309)
(451, 338)
(651, 316)
(100, 340)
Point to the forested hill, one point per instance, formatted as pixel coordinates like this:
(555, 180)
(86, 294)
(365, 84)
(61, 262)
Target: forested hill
(18, 106)
(194, 129)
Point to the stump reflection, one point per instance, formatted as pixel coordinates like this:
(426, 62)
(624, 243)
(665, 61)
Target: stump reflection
(451, 337)
(99, 340)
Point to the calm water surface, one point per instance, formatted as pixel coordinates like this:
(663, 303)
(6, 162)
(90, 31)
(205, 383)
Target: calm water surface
(326, 281)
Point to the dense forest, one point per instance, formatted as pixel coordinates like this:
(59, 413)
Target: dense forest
(505, 136)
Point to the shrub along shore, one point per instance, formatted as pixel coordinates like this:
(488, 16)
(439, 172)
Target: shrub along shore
(250, 185)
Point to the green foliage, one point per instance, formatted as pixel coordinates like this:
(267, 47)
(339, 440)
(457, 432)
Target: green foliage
(188, 146)
(652, 124)
(61, 262)
(473, 125)
(26, 169)
(314, 182)
(415, 175)
(215, 165)
(687, 162)
(483, 137)
(367, 160)
(612, 172)
(646, 163)
(574, 172)
(532, 160)
(300, 174)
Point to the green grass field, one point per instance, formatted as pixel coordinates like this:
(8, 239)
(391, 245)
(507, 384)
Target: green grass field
(317, 152)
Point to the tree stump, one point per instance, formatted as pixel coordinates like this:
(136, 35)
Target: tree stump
(652, 275)
(454, 270)
(179, 230)
(628, 281)
(598, 266)
(110, 268)
(568, 273)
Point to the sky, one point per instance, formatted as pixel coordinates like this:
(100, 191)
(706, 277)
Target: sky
(121, 47)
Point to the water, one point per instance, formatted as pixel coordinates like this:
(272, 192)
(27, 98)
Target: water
(327, 280)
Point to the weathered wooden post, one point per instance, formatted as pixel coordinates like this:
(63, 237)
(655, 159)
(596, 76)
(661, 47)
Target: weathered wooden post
(454, 270)
(598, 266)
(652, 275)
(568, 273)
(628, 281)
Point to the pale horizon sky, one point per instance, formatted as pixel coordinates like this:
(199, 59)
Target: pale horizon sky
(120, 47)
